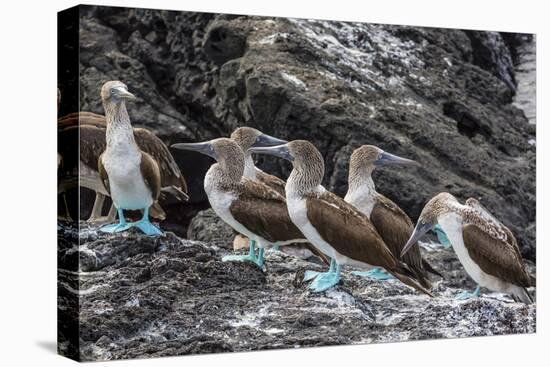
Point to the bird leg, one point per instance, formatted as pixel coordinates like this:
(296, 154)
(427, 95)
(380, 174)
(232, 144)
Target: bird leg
(467, 295)
(376, 274)
(251, 256)
(96, 209)
(121, 226)
(324, 281)
(441, 236)
(311, 274)
(67, 215)
(146, 226)
(95, 216)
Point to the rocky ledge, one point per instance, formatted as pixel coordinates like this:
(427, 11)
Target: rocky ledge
(150, 297)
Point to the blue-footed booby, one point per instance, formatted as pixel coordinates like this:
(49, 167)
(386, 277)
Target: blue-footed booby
(486, 248)
(248, 206)
(394, 226)
(131, 176)
(90, 129)
(331, 224)
(246, 138)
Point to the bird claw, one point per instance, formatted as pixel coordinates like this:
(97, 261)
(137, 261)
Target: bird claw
(376, 274)
(310, 274)
(468, 295)
(324, 281)
(115, 227)
(147, 227)
(244, 258)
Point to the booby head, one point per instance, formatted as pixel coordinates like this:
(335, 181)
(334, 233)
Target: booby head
(224, 150)
(370, 157)
(439, 205)
(308, 163)
(115, 92)
(301, 153)
(248, 137)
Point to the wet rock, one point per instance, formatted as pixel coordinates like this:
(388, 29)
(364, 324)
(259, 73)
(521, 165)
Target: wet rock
(178, 297)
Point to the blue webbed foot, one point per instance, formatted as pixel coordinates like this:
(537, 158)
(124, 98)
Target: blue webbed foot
(376, 274)
(250, 257)
(325, 281)
(121, 226)
(441, 236)
(310, 274)
(115, 227)
(467, 295)
(147, 227)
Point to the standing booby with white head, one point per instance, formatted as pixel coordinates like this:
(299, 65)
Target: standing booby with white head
(131, 176)
(486, 248)
(394, 226)
(249, 207)
(332, 225)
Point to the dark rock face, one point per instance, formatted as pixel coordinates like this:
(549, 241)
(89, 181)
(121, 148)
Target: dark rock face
(143, 297)
(207, 227)
(442, 97)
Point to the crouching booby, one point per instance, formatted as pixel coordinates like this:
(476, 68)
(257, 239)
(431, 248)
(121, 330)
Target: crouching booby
(486, 248)
(332, 225)
(394, 226)
(246, 138)
(131, 176)
(249, 207)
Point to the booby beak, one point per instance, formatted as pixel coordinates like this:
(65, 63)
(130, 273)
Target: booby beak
(124, 94)
(205, 148)
(420, 230)
(386, 159)
(265, 140)
(280, 151)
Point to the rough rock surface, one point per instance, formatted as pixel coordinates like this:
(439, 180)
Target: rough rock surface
(144, 297)
(440, 96)
(207, 227)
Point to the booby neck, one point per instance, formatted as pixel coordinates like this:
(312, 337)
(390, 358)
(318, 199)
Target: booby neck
(120, 135)
(361, 189)
(306, 178)
(226, 174)
(250, 168)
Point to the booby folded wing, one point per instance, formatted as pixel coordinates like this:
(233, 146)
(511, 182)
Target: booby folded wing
(273, 182)
(474, 203)
(263, 211)
(170, 172)
(92, 144)
(151, 174)
(348, 231)
(395, 227)
(103, 174)
(494, 256)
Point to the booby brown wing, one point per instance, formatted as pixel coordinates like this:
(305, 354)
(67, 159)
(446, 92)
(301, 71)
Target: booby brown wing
(170, 172)
(263, 211)
(92, 144)
(151, 174)
(81, 118)
(500, 258)
(348, 231)
(395, 227)
(103, 174)
(352, 234)
(273, 182)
